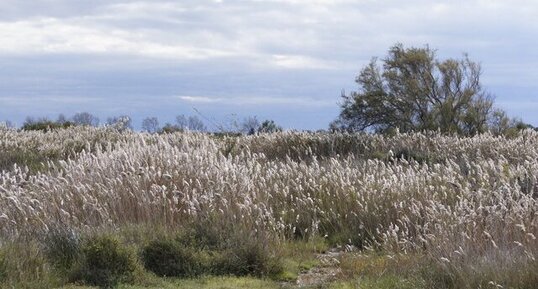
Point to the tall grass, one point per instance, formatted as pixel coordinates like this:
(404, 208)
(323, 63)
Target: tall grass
(469, 204)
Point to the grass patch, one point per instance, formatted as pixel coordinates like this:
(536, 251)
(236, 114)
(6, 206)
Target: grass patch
(480, 273)
(3, 267)
(34, 160)
(383, 282)
(299, 256)
(23, 265)
(204, 282)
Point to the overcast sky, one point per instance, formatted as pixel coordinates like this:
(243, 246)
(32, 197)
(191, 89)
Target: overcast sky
(277, 59)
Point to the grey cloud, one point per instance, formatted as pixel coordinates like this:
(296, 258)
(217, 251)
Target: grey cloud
(131, 51)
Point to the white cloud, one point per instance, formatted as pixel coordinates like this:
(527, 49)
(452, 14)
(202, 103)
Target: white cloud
(300, 62)
(261, 48)
(51, 35)
(258, 100)
(201, 99)
(289, 34)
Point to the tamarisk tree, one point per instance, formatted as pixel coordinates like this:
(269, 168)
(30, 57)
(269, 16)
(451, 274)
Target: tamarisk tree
(414, 91)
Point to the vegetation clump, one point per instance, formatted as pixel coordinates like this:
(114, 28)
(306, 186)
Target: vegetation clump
(414, 91)
(198, 251)
(105, 263)
(463, 206)
(167, 257)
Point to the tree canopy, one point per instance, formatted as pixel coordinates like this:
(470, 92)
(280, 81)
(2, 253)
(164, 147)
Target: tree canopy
(413, 91)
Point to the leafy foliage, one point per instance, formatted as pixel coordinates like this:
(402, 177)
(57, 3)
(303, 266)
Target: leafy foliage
(105, 263)
(121, 123)
(150, 124)
(269, 126)
(44, 125)
(167, 257)
(414, 91)
(85, 119)
(62, 248)
(201, 250)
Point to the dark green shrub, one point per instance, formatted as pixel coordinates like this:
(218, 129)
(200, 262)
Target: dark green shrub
(170, 128)
(248, 258)
(203, 235)
(45, 125)
(105, 263)
(210, 250)
(62, 248)
(169, 257)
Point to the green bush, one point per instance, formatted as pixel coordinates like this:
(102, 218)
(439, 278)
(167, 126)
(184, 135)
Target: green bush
(168, 257)
(62, 248)
(203, 235)
(45, 125)
(200, 249)
(106, 263)
(230, 250)
(248, 258)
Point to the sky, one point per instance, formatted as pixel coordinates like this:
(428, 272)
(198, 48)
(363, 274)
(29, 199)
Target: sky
(224, 60)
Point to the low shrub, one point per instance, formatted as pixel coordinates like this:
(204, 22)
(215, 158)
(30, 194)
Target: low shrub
(168, 257)
(248, 259)
(202, 235)
(105, 263)
(62, 248)
(247, 253)
(199, 250)
(45, 125)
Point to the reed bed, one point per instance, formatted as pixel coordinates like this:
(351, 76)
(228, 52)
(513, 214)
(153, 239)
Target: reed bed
(470, 205)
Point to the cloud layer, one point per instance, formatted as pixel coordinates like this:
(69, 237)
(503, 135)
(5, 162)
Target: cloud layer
(279, 53)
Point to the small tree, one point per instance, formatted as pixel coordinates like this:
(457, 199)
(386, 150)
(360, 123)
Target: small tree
(62, 119)
(250, 125)
(414, 91)
(150, 124)
(121, 123)
(181, 122)
(170, 128)
(196, 124)
(269, 126)
(85, 119)
(192, 123)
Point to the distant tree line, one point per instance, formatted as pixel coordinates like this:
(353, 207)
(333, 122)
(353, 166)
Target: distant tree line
(248, 126)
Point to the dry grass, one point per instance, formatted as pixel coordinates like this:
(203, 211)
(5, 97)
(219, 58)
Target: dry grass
(461, 202)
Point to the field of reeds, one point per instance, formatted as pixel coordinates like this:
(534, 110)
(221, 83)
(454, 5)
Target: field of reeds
(435, 211)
